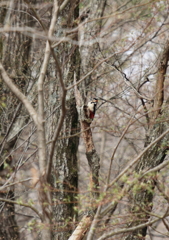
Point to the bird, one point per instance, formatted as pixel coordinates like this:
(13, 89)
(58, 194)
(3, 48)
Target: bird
(92, 107)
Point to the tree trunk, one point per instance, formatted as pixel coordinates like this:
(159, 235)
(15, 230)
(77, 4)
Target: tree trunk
(65, 176)
(8, 225)
(65, 167)
(142, 198)
(15, 49)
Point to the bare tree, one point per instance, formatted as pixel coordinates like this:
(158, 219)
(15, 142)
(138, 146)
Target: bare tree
(55, 56)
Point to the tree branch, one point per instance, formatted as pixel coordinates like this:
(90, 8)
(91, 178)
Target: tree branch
(138, 157)
(81, 229)
(94, 224)
(41, 129)
(19, 95)
(128, 83)
(122, 136)
(22, 204)
(90, 72)
(14, 183)
(125, 230)
(62, 116)
(159, 90)
(91, 154)
(49, 49)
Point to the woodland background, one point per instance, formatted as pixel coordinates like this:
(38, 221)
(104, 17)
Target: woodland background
(63, 176)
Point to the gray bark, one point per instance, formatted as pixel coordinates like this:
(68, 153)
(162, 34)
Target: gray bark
(8, 225)
(65, 165)
(142, 199)
(15, 52)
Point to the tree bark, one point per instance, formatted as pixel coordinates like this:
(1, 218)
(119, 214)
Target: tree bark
(65, 165)
(65, 176)
(14, 53)
(142, 198)
(159, 89)
(8, 225)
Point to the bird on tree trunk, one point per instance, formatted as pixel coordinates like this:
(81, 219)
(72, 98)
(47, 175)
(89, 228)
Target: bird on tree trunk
(92, 107)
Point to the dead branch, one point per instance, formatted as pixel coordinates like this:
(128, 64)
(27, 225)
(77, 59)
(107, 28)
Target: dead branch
(81, 229)
(91, 154)
(94, 224)
(159, 89)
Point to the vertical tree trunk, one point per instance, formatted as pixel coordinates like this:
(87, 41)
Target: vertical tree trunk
(142, 198)
(89, 31)
(14, 53)
(65, 176)
(65, 169)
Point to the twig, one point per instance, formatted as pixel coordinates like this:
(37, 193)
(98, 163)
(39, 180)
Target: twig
(22, 204)
(143, 103)
(122, 136)
(166, 225)
(19, 94)
(94, 224)
(70, 136)
(89, 73)
(159, 187)
(14, 183)
(138, 157)
(9, 128)
(127, 81)
(155, 169)
(125, 230)
(11, 123)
